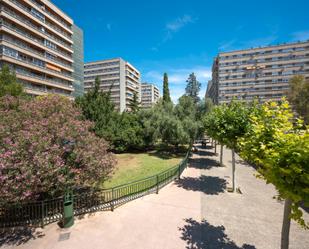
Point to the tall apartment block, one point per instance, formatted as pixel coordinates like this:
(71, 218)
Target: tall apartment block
(150, 95)
(116, 75)
(37, 42)
(262, 72)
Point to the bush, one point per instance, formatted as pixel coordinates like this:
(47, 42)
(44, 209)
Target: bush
(45, 147)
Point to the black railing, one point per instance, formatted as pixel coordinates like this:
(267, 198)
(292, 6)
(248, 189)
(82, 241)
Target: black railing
(40, 213)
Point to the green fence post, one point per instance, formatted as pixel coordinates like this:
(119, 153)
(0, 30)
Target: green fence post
(112, 201)
(157, 191)
(179, 171)
(42, 214)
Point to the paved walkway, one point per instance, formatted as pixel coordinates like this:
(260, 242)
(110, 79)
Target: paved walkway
(195, 212)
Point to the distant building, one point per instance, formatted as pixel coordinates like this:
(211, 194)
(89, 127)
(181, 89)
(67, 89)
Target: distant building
(150, 95)
(262, 73)
(117, 76)
(37, 43)
(78, 65)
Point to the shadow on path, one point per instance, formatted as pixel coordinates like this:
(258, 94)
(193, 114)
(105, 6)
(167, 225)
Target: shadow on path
(211, 185)
(18, 236)
(202, 235)
(206, 153)
(203, 163)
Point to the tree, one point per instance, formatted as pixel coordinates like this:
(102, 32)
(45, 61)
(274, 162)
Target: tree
(298, 95)
(228, 123)
(208, 104)
(188, 113)
(166, 91)
(98, 107)
(122, 130)
(46, 147)
(8, 83)
(134, 103)
(280, 149)
(193, 87)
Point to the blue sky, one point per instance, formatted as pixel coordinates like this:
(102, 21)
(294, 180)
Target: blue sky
(180, 37)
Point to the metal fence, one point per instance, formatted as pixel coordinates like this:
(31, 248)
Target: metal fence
(40, 213)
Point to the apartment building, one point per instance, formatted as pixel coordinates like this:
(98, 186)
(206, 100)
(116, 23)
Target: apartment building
(37, 43)
(150, 95)
(262, 73)
(117, 76)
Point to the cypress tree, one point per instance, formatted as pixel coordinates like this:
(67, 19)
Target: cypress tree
(166, 91)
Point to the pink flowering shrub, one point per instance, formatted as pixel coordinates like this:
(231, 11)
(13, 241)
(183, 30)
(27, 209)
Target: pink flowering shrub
(45, 147)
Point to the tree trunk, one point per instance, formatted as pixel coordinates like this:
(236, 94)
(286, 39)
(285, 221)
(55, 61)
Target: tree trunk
(221, 155)
(233, 171)
(212, 142)
(285, 232)
(215, 147)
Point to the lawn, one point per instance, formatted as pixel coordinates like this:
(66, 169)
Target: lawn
(136, 166)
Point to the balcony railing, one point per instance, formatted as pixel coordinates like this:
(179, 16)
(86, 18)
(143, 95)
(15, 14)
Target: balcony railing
(45, 90)
(28, 48)
(31, 37)
(34, 64)
(47, 23)
(51, 14)
(27, 73)
(42, 31)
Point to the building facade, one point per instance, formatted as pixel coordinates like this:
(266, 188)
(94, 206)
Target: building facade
(37, 43)
(262, 73)
(150, 95)
(78, 61)
(117, 76)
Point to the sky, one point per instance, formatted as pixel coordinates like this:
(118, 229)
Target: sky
(183, 36)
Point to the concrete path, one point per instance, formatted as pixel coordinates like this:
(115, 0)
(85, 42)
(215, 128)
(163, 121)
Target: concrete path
(195, 212)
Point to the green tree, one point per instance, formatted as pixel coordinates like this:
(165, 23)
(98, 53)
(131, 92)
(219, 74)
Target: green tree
(275, 143)
(208, 104)
(98, 107)
(193, 87)
(188, 113)
(122, 130)
(166, 91)
(228, 123)
(134, 103)
(298, 95)
(8, 83)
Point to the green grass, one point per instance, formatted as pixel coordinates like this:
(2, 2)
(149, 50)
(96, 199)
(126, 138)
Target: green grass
(135, 166)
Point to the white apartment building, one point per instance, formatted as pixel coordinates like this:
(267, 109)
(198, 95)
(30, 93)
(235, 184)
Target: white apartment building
(262, 72)
(37, 43)
(150, 95)
(116, 75)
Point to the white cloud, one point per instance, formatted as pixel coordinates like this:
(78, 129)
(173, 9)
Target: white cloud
(300, 35)
(173, 27)
(179, 23)
(177, 79)
(226, 45)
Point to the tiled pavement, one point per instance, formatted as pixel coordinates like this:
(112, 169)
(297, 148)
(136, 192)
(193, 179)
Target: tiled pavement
(195, 212)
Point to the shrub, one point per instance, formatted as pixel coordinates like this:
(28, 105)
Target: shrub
(45, 147)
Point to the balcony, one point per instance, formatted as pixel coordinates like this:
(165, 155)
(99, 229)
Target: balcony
(37, 65)
(33, 38)
(58, 83)
(43, 56)
(37, 29)
(42, 21)
(51, 14)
